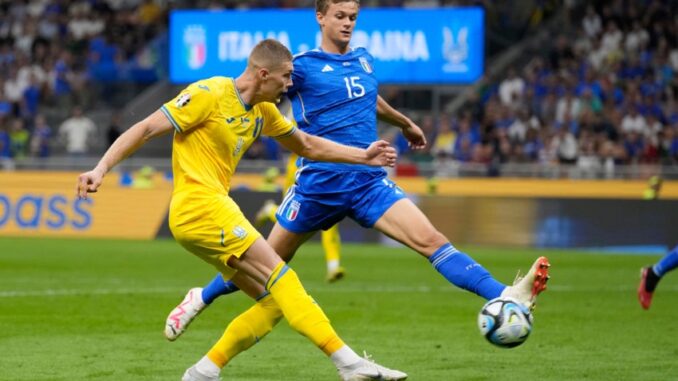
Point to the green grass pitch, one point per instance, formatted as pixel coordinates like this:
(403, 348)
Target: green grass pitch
(87, 310)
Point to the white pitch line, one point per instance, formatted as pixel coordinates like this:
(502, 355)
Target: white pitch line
(311, 288)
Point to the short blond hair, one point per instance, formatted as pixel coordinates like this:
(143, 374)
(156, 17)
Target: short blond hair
(269, 54)
(321, 6)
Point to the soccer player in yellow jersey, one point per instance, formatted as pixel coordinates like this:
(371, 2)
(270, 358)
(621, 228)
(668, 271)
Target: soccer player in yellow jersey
(215, 121)
(330, 238)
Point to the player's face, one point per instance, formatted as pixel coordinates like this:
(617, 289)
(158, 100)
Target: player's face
(338, 22)
(277, 81)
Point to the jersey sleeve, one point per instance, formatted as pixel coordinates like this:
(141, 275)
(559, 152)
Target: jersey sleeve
(275, 124)
(191, 107)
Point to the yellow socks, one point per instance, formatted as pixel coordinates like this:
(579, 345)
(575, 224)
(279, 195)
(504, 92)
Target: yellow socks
(331, 243)
(301, 311)
(246, 330)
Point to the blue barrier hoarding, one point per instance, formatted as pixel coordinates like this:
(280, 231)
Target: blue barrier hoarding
(410, 46)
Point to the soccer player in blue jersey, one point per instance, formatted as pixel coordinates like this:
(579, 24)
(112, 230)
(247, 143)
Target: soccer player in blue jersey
(334, 95)
(651, 275)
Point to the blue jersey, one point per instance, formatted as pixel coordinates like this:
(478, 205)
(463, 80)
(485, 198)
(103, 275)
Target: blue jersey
(335, 96)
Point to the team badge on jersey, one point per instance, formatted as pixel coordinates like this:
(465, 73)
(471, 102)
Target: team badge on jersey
(366, 65)
(239, 232)
(183, 100)
(292, 211)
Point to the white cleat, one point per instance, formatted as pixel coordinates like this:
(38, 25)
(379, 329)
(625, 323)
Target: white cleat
(192, 374)
(366, 369)
(525, 289)
(183, 314)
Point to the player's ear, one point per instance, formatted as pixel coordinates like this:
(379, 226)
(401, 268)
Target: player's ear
(319, 17)
(263, 74)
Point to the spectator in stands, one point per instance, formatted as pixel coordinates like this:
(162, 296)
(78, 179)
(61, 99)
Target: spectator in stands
(443, 145)
(31, 98)
(114, 129)
(18, 139)
(5, 150)
(41, 138)
(511, 89)
(591, 22)
(77, 132)
(633, 122)
(565, 146)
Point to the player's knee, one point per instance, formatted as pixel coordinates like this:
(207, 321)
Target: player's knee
(429, 242)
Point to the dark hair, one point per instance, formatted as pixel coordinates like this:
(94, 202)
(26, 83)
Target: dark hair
(321, 6)
(269, 54)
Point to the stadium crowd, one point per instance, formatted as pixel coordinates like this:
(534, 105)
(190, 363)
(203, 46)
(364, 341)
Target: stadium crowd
(604, 93)
(62, 55)
(601, 96)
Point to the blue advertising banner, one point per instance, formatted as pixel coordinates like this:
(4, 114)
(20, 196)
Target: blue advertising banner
(410, 46)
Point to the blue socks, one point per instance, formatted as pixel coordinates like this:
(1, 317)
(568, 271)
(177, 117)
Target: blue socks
(462, 271)
(666, 264)
(217, 287)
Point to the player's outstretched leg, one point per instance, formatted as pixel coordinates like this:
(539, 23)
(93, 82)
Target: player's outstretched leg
(304, 315)
(196, 300)
(525, 289)
(650, 277)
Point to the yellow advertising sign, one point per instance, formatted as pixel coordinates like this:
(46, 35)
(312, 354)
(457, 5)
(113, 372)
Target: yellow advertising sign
(44, 204)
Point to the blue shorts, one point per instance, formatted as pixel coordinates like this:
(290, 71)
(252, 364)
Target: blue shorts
(320, 198)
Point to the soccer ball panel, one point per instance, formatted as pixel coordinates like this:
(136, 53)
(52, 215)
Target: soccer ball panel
(505, 322)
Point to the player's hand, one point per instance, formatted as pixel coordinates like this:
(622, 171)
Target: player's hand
(89, 182)
(380, 153)
(415, 137)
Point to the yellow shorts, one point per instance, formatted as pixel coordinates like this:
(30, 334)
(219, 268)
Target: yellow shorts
(213, 228)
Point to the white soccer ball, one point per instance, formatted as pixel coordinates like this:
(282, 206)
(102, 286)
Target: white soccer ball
(505, 322)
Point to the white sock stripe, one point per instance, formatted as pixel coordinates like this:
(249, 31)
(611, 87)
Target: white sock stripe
(441, 258)
(445, 254)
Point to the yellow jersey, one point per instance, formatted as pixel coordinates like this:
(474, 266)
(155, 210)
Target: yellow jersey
(214, 128)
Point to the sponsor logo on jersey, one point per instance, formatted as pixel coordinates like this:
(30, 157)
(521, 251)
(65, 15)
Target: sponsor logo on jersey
(292, 211)
(327, 68)
(239, 232)
(366, 65)
(238, 146)
(183, 100)
(195, 46)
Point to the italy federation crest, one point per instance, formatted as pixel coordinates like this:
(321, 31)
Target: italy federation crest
(292, 211)
(195, 46)
(365, 64)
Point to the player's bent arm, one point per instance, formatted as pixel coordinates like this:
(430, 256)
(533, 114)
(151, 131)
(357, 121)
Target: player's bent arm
(388, 114)
(131, 140)
(414, 135)
(379, 153)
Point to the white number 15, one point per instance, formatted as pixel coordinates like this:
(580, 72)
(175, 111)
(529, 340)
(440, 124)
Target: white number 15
(353, 88)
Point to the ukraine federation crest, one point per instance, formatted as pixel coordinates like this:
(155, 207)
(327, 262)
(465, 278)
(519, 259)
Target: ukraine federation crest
(239, 232)
(455, 50)
(292, 211)
(366, 65)
(195, 46)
